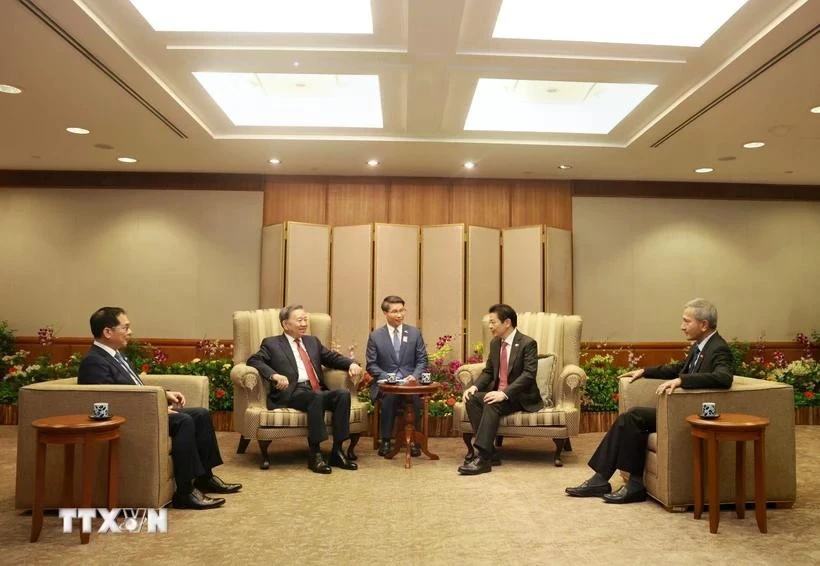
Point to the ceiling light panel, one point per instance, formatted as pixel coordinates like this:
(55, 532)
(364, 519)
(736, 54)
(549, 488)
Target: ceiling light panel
(509, 105)
(639, 22)
(269, 16)
(293, 100)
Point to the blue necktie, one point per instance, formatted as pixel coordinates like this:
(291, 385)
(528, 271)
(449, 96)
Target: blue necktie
(121, 360)
(396, 343)
(694, 360)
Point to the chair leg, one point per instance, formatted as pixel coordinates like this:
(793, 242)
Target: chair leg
(467, 437)
(567, 445)
(375, 422)
(243, 445)
(559, 447)
(263, 448)
(354, 440)
(499, 440)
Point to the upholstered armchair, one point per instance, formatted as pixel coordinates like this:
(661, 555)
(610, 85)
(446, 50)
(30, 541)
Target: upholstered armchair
(668, 471)
(559, 378)
(251, 416)
(146, 471)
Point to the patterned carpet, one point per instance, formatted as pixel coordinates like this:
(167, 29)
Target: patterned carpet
(384, 514)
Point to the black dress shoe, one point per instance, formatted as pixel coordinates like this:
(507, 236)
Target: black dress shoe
(214, 484)
(196, 500)
(317, 464)
(385, 448)
(587, 490)
(339, 460)
(415, 451)
(626, 495)
(495, 459)
(478, 465)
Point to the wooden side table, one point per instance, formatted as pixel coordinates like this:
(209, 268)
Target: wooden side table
(740, 428)
(69, 430)
(410, 432)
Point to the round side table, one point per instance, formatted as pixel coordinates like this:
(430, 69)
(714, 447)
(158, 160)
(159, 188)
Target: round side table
(69, 430)
(740, 428)
(410, 432)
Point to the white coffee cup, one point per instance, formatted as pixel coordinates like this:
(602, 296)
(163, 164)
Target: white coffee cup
(101, 411)
(426, 377)
(708, 410)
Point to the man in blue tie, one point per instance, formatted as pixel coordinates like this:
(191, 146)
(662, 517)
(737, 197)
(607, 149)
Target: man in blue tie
(708, 365)
(395, 348)
(194, 448)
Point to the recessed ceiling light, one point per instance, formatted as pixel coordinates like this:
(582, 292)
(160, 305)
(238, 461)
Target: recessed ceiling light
(636, 22)
(78, 131)
(274, 161)
(815, 110)
(373, 162)
(9, 89)
(469, 165)
(704, 170)
(753, 145)
(271, 16)
(565, 167)
(126, 160)
(296, 63)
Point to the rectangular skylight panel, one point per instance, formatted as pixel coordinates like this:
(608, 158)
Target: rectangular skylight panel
(687, 23)
(271, 16)
(296, 100)
(508, 105)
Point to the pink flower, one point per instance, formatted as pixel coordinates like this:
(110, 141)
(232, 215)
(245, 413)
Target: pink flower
(219, 393)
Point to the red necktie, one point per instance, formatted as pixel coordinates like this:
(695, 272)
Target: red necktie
(502, 371)
(314, 381)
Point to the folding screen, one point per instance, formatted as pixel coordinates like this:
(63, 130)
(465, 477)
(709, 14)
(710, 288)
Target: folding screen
(272, 266)
(442, 285)
(307, 266)
(558, 271)
(351, 274)
(396, 268)
(483, 287)
(521, 268)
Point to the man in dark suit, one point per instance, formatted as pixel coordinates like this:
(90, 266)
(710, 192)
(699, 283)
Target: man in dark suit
(506, 385)
(194, 448)
(709, 365)
(293, 362)
(395, 348)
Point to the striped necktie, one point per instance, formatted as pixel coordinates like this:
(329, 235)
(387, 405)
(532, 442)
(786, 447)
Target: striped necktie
(127, 367)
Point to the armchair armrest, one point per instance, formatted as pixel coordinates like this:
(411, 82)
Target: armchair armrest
(468, 374)
(337, 378)
(639, 393)
(195, 388)
(566, 387)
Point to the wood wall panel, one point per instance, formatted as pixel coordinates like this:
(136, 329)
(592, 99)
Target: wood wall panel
(723, 191)
(442, 285)
(419, 202)
(351, 298)
(295, 201)
(541, 202)
(307, 272)
(177, 349)
(481, 203)
(362, 202)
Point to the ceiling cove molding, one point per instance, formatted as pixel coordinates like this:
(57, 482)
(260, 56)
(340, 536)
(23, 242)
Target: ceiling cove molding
(71, 40)
(788, 50)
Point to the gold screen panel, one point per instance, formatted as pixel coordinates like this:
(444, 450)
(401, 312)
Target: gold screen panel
(558, 271)
(442, 285)
(521, 269)
(307, 272)
(272, 269)
(396, 268)
(483, 278)
(351, 272)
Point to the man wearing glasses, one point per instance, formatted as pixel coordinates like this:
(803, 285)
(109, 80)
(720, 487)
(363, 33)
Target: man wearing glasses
(194, 448)
(395, 348)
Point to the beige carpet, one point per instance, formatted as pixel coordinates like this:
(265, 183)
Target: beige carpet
(384, 514)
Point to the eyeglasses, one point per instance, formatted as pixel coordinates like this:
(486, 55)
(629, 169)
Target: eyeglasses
(124, 327)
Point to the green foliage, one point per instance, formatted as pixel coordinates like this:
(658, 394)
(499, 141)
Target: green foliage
(601, 389)
(6, 339)
(739, 351)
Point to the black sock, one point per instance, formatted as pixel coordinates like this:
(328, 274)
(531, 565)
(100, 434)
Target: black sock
(314, 447)
(635, 482)
(598, 479)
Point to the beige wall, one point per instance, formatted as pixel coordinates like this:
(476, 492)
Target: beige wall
(179, 261)
(637, 261)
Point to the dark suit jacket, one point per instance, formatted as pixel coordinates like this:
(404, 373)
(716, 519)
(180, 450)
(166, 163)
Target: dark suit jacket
(381, 357)
(276, 356)
(714, 370)
(100, 367)
(521, 370)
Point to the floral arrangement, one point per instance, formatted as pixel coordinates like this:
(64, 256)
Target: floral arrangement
(601, 389)
(803, 374)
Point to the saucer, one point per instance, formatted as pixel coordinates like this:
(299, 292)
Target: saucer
(713, 417)
(93, 418)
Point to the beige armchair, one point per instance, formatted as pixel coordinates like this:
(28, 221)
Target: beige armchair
(668, 471)
(559, 380)
(251, 416)
(146, 471)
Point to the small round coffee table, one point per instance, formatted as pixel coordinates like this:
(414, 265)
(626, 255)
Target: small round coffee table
(410, 432)
(740, 428)
(69, 430)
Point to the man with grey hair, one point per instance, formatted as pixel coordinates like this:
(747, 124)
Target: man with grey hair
(708, 365)
(292, 362)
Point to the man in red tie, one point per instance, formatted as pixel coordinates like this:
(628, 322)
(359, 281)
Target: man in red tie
(292, 362)
(506, 385)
